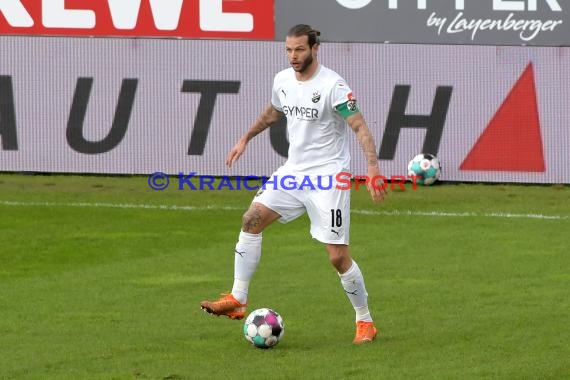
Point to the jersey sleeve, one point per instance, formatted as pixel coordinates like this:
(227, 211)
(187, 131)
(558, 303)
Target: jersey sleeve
(275, 101)
(343, 100)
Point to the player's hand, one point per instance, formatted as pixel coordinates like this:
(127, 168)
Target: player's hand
(376, 185)
(235, 153)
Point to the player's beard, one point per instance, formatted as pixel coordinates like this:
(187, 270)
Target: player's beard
(304, 65)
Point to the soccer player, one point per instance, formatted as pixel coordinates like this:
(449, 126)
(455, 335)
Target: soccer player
(318, 104)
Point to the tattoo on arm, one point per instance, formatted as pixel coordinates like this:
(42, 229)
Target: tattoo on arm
(266, 118)
(365, 139)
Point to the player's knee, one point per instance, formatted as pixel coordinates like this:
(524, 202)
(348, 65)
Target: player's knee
(247, 222)
(336, 260)
(251, 221)
(339, 258)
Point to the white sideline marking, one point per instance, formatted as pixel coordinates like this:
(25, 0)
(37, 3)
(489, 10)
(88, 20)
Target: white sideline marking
(117, 205)
(460, 214)
(232, 208)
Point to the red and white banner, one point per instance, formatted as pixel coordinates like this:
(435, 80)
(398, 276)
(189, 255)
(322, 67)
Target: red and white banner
(230, 19)
(137, 106)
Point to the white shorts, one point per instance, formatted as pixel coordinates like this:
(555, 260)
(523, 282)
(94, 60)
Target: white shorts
(328, 208)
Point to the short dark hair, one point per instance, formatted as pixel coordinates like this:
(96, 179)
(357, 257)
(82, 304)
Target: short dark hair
(305, 30)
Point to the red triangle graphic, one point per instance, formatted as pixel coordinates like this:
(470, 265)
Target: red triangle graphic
(512, 140)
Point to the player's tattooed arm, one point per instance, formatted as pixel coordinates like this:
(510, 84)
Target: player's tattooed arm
(365, 138)
(269, 116)
(266, 118)
(376, 185)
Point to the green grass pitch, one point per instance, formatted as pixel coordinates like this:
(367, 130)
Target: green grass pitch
(101, 278)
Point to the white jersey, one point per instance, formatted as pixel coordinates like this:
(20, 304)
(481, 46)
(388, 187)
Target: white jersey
(317, 133)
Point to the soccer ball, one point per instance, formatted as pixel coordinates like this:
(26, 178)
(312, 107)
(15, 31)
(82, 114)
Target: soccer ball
(263, 328)
(426, 167)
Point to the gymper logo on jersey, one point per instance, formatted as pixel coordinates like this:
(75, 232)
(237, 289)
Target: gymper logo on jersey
(303, 113)
(527, 28)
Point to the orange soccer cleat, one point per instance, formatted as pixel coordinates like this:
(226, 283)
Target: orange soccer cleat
(227, 305)
(365, 332)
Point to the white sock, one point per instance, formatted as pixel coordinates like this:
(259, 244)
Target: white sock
(353, 283)
(247, 256)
